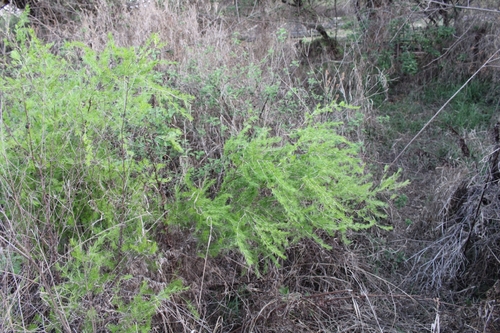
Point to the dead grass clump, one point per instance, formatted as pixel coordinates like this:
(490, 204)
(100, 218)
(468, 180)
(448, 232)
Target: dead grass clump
(462, 262)
(19, 291)
(313, 290)
(135, 26)
(55, 11)
(476, 40)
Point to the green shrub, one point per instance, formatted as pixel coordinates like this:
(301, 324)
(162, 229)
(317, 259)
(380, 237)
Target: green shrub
(277, 191)
(75, 182)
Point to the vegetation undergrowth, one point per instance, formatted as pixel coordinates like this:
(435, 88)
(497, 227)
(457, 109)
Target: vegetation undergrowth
(469, 110)
(220, 181)
(77, 188)
(83, 184)
(277, 191)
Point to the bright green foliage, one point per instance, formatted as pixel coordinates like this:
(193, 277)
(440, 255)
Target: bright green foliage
(73, 176)
(142, 308)
(276, 192)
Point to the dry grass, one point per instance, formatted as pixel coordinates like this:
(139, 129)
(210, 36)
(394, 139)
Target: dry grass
(462, 259)
(313, 290)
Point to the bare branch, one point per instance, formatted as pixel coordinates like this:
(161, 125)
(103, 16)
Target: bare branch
(464, 7)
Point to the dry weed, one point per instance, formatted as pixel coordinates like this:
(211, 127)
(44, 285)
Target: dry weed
(313, 290)
(462, 259)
